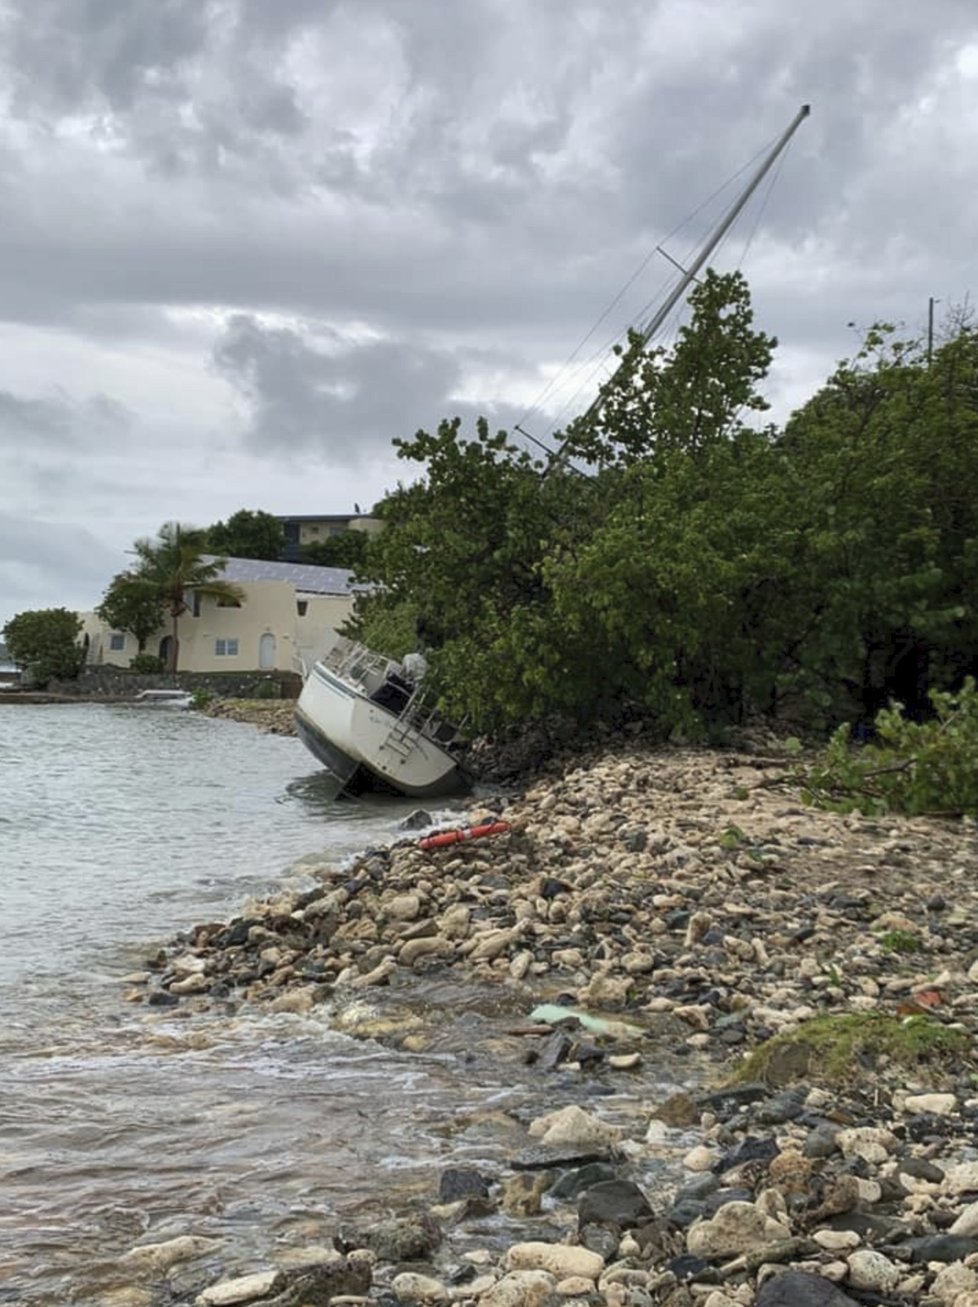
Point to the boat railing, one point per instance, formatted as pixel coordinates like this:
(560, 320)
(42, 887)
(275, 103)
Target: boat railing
(368, 669)
(356, 662)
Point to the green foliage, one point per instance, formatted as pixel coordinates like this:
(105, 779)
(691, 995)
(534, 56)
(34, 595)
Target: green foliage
(928, 767)
(128, 605)
(703, 570)
(346, 549)
(900, 941)
(147, 662)
(267, 690)
(247, 533)
(45, 642)
(201, 698)
(836, 1048)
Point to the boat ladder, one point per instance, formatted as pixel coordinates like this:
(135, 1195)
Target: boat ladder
(401, 739)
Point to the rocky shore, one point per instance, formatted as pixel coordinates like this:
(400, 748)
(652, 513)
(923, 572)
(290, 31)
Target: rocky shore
(814, 976)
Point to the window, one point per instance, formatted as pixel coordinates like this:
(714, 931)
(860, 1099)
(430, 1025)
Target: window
(117, 641)
(303, 606)
(226, 648)
(229, 603)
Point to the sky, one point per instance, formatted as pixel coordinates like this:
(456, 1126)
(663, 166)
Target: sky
(244, 244)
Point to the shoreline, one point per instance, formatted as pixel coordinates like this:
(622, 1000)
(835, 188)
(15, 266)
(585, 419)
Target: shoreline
(675, 904)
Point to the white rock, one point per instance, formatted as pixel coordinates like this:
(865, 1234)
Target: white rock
(403, 907)
(575, 1286)
(871, 1143)
(736, 1228)
(411, 1287)
(962, 1179)
(937, 1104)
(160, 1257)
(953, 1280)
(871, 1270)
(967, 1222)
(520, 1289)
(558, 1259)
(657, 1133)
(572, 1125)
(870, 1191)
(836, 1240)
(700, 1158)
(244, 1289)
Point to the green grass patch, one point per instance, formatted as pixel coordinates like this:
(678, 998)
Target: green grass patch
(836, 1048)
(900, 941)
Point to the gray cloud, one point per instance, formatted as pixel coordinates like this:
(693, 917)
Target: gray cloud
(313, 390)
(312, 225)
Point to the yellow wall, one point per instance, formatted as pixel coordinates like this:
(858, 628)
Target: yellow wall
(269, 609)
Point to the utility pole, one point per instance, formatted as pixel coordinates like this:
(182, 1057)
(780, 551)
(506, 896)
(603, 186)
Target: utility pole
(930, 328)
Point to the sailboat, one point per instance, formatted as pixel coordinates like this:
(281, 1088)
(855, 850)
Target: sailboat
(366, 717)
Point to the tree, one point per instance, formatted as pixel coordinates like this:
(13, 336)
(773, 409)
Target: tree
(346, 549)
(45, 641)
(171, 568)
(544, 591)
(130, 604)
(248, 534)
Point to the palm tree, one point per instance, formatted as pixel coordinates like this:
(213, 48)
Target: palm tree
(176, 565)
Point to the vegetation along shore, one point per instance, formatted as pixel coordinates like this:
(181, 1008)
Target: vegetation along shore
(809, 978)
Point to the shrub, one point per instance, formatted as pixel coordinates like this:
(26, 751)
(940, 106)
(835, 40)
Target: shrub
(147, 662)
(920, 768)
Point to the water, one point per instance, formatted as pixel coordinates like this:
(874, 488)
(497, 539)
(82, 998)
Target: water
(119, 1123)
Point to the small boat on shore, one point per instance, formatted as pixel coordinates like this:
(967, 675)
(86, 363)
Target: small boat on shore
(369, 724)
(179, 699)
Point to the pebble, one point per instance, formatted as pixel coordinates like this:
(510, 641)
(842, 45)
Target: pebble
(871, 1270)
(412, 1287)
(246, 1288)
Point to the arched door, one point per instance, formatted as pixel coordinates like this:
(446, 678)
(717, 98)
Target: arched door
(266, 652)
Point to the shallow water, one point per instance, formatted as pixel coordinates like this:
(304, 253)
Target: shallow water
(120, 1123)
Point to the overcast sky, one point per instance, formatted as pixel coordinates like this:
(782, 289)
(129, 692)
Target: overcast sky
(245, 243)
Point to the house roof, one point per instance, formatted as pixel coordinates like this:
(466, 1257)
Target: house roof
(325, 517)
(313, 580)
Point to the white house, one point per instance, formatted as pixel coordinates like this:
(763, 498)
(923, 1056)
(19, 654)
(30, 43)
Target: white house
(288, 617)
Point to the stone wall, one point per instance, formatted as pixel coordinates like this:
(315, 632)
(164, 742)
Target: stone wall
(119, 683)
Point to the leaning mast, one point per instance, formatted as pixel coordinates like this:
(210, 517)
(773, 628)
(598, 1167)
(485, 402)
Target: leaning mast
(713, 240)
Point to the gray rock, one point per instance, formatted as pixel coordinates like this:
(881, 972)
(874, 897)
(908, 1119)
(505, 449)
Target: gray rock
(599, 1239)
(317, 1286)
(416, 820)
(411, 1238)
(822, 1141)
(618, 1203)
(461, 1182)
(572, 1183)
(799, 1289)
(554, 1157)
(937, 1247)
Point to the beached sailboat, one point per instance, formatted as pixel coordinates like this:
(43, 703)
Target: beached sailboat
(369, 723)
(361, 714)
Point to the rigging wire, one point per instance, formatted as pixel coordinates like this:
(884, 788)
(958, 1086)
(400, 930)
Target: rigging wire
(556, 379)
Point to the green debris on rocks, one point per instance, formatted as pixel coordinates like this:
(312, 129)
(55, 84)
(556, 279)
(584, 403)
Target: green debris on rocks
(552, 1014)
(836, 1048)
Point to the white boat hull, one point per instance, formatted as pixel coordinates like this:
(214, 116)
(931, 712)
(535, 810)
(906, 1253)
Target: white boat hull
(349, 733)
